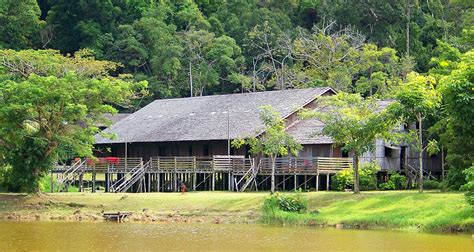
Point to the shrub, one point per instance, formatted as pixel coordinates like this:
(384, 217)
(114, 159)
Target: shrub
(389, 185)
(367, 177)
(287, 203)
(469, 186)
(431, 185)
(6, 181)
(399, 181)
(343, 179)
(395, 182)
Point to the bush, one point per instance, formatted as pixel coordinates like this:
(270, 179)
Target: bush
(287, 203)
(395, 182)
(6, 184)
(469, 186)
(367, 178)
(399, 181)
(343, 180)
(389, 185)
(431, 185)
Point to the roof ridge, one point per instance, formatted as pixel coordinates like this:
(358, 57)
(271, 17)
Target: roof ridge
(239, 94)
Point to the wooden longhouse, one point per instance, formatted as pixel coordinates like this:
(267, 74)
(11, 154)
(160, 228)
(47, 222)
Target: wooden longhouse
(172, 142)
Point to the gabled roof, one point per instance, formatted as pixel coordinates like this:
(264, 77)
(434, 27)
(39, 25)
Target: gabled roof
(207, 117)
(116, 117)
(309, 131)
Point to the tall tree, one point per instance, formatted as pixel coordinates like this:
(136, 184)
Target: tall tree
(354, 123)
(273, 142)
(20, 24)
(457, 89)
(43, 116)
(80, 24)
(417, 99)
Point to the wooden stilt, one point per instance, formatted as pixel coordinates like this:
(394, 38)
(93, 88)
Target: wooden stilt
(107, 182)
(317, 181)
(194, 181)
(327, 182)
(158, 177)
(149, 182)
(94, 177)
(296, 183)
(284, 183)
(305, 182)
(213, 181)
(81, 185)
(51, 188)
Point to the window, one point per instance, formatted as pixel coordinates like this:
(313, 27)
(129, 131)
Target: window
(388, 152)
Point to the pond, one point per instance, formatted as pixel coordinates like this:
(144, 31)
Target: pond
(87, 236)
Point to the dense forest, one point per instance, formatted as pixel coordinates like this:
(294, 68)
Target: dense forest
(223, 46)
(203, 47)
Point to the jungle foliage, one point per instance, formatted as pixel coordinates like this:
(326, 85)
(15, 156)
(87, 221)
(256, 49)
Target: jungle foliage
(401, 50)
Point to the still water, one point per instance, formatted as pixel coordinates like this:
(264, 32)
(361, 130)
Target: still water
(81, 236)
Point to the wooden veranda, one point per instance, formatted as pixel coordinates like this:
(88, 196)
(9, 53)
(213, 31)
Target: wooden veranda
(169, 174)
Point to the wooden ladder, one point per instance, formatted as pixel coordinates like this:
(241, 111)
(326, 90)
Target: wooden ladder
(72, 174)
(130, 178)
(253, 174)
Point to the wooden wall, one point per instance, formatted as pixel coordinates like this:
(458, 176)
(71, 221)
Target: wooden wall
(147, 150)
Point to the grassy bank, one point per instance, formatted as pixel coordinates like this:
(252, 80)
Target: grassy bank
(432, 211)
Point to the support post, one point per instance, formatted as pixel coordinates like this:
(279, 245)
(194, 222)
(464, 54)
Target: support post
(229, 181)
(149, 182)
(194, 180)
(158, 177)
(284, 183)
(107, 182)
(327, 182)
(94, 176)
(175, 183)
(213, 180)
(81, 185)
(296, 183)
(317, 181)
(51, 189)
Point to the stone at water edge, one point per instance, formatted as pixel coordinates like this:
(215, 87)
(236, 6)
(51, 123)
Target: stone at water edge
(340, 226)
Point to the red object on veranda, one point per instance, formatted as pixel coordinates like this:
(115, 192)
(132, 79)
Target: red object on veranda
(113, 160)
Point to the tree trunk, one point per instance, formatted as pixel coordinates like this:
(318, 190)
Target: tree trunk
(420, 155)
(356, 173)
(273, 174)
(190, 78)
(442, 163)
(408, 27)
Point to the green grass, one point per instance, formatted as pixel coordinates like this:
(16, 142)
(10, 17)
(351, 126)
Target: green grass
(430, 211)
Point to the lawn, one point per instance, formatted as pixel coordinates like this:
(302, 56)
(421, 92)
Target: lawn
(431, 211)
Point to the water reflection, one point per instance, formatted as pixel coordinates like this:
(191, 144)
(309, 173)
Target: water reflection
(74, 236)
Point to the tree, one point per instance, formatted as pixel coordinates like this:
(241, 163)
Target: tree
(80, 24)
(354, 123)
(19, 23)
(273, 142)
(417, 99)
(469, 186)
(326, 56)
(457, 89)
(210, 59)
(43, 116)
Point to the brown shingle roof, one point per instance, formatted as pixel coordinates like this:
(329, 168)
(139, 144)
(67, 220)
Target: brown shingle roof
(206, 117)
